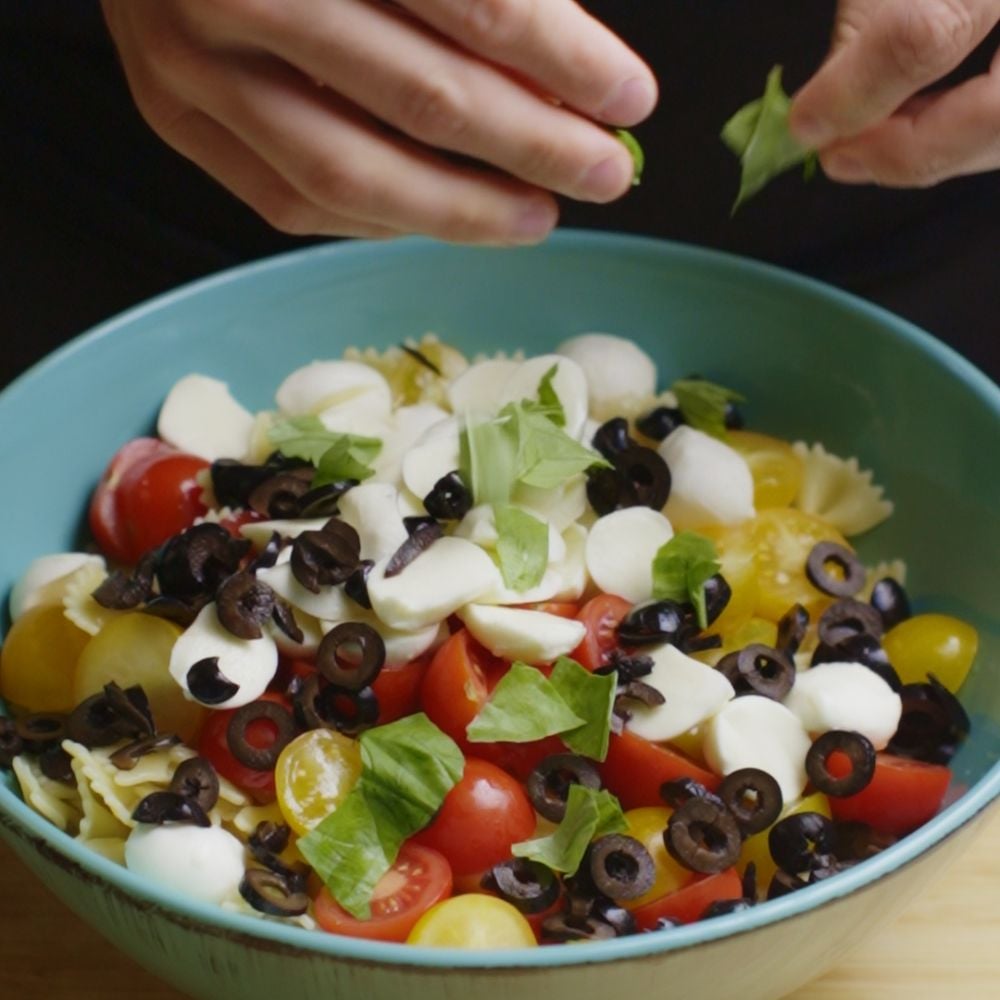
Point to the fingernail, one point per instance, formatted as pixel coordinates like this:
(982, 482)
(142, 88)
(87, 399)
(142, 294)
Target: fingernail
(845, 168)
(535, 221)
(629, 102)
(813, 133)
(608, 179)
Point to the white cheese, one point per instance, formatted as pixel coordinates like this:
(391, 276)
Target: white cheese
(710, 482)
(692, 692)
(200, 416)
(435, 454)
(407, 425)
(753, 731)
(372, 510)
(480, 387)
(620, 550)
(845, 696)
(327, 386)
(259, 532)
(43, 582)
(616, 370)
(561, 506)
(535, 637)
(569, 383)
(330, 604)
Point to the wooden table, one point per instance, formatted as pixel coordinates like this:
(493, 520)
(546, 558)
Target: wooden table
(945, 945)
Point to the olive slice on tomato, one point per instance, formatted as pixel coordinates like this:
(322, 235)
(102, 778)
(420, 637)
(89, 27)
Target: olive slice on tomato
(753, 797)
(858, 751)
(703, 836)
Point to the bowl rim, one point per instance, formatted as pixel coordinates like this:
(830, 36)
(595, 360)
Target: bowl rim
(18, 819)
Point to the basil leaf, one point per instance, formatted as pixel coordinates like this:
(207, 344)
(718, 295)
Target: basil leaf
(523, 707)
(546, 455)
(488, 459)
(302, 437)
(590, 814)
(349, 457)
(680, 569)
(522, 546)
(548, 399)
(408, 767)
(631, 143)
(758, 134)
(591, 697)
(703, 404)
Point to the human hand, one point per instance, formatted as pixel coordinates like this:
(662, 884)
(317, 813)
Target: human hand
(343, 117)
(862, 109)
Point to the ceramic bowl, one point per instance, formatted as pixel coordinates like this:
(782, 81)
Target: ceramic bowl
(813, 364)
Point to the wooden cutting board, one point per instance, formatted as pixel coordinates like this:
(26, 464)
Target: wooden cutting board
(947, 944)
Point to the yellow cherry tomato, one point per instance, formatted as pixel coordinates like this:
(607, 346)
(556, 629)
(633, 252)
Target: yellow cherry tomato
(738, 565)
(475, 921)
(313, 775)
(754, 630)
(755, 847)
(776, 469)
(39, 659)
(932, 644)
(647, 825)
(135, 649)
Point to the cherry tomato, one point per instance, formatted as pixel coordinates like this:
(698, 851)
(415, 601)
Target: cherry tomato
(776, 469)
(212, 744)
(419, 878)
(932, 644)
(147, 493)
(475, 921)
(480, 818)
(635, 769)
(561, 609)
(397, 688)
(688, 903)
(602, 615)
(738, 565)
(647, 826)
(902, 795)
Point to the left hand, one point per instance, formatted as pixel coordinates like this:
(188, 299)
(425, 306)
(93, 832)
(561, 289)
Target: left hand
(862, 109)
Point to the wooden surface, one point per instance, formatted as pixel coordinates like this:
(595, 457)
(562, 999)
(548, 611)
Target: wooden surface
(947, 944)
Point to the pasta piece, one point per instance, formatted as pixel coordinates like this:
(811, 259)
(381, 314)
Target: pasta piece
(95, 779)
(411, 380)
(78, 603)
(240, 905)
(98, 821)
(895, 568)
(839, 491)
(59, 803)
(112, 848)
(247, 819)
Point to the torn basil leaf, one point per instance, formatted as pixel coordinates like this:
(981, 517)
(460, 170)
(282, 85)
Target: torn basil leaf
(522, 546)
(703, 404)
(680, 569)
(631, 143)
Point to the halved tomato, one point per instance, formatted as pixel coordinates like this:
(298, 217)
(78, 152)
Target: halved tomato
(602, 615)
(687, 904)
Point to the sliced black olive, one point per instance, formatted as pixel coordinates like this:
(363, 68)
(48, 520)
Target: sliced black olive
(268, 556)
(208, 684)
(933, 723)
(797, 841)
(792, 630)
(723, 907)
(351, 655)
(279, 495)
(196, 779)
(782, 884)
(628, 667)
(259, 758)
(233, 482)
(549, 783)
(749, 881)
(243, 604)
(132, 707)
(621, 868)
(660, 423)
(680, 790)
(612, 438)
(11, 742)
(641, 692)
(617, 917)
(560, 928)
(855, 841)
(326, 557)
(356, 585)
(753, 797)
(57, 765)
(655, 622)
(859, 752)
(890, 600)
(703, 836)
(123, 591)
(268, 892)
(173, 609)
(323, 501)
(647, 474)
(347, 711)
(126, 757)
(860, 648)
(847, 618)
(607, 492)
(195, 562)
(170, 807)
(449, 499)
(42, 730)
(528, 885)
(269, 837)
(96, 723)
(732, 417)
(845, 583)
(760, 669)
(303, 694)
(283, 616)
(418, 542)
(717, 596)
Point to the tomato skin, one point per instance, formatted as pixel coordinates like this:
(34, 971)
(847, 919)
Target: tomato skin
(932, 644)
(419, 878)
(602, 615)
(902, 795)
(479, 820)
(475, 921)
(397, 688)
(635, 769)
(687, 904)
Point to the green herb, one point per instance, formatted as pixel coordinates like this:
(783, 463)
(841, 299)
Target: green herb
(680, 569)
(631, 143)
(523, 707)
(522, 546)
(488, 460)
(591, 697)
(589, 814)
(549, 402)
(703, 404)
(336, 456)
(408, 767)
(758, 134)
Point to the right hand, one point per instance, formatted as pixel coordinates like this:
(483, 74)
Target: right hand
(343, 117)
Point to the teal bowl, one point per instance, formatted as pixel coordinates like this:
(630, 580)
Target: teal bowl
(813, 363)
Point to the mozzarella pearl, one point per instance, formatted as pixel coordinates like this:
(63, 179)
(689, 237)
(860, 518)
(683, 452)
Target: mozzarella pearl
(616, 370)
(535, 637)
(620, 550)
(200, 416)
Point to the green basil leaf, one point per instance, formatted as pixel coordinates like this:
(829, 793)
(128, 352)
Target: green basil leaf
(758, 134)
(349, 457)
(523, 707)
(703, 404)
(680, 569)
(631, 143)
(546, 455)
(522, 546)
(591, 697)
(408, 767)
(548, 399)
(488, 459)
(590, 814)
(302, 437)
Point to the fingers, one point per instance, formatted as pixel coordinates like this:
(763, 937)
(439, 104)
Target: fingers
(884, 56)
(556, 44)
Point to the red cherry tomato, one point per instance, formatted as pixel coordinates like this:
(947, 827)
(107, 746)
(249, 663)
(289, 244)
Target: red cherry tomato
(902, 795)
(602, 615)
(562, 609)
(213, 746)
(480, 818)
(397, 688)
(419, 878)
(147, 493)
(687, 904)
(635, 769)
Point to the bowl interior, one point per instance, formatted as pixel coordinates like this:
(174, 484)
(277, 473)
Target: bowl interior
(813, 363)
